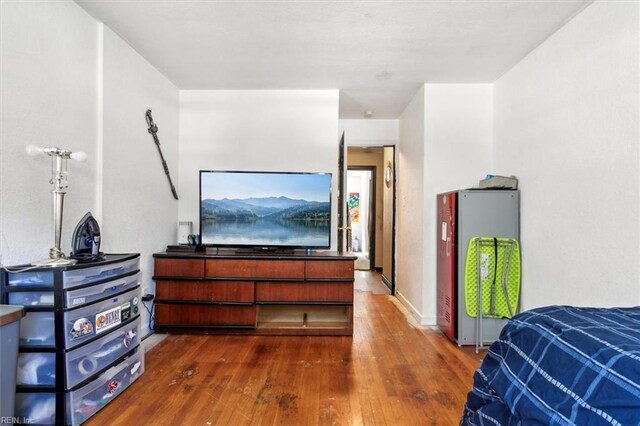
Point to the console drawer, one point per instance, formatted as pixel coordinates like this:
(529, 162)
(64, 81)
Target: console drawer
(252, 268)
(206, 291)
(337, 269)
(188, 268)
(172, 315)
(320, 292)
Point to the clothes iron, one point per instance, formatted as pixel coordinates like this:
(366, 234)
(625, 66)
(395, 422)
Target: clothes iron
(86, 240)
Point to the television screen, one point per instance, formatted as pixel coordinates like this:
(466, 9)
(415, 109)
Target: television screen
(265, 209)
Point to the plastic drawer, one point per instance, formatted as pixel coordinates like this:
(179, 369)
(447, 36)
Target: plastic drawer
(31, 298)
(83, 296)
(37, 368)
(81, 325)
(76, 277)
(36, 408)
(30, 279)
(88, 400)
(37, 329)
(87, 360)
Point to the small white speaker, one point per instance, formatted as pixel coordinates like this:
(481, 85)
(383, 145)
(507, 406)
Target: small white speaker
(184, 230)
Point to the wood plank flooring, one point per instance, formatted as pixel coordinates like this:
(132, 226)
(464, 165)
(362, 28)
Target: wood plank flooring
(388, 373)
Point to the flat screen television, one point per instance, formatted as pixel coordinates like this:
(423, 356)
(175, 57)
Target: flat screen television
(265, 210)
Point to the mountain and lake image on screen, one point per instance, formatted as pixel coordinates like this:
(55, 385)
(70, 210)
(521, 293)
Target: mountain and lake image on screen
(265, 209)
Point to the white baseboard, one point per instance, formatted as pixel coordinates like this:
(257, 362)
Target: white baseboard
(410, 308)
(423, 321)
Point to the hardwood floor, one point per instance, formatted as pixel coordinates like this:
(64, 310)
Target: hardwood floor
(370, 281)
(388, 373)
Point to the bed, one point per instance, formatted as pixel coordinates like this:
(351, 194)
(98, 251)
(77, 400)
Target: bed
(560, 365)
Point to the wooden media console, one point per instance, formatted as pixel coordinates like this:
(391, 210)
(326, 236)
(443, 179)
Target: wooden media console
(225, 292)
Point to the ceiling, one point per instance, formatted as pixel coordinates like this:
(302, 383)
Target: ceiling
(377, 53)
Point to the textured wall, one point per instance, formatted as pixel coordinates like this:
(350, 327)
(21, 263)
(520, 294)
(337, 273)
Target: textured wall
(49, 98)
(263, 130)
(458, 144)
(410, 229)
(567, 124)
(139, 213)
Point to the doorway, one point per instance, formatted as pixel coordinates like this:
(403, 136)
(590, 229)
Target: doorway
(381, 226)
(361, 211)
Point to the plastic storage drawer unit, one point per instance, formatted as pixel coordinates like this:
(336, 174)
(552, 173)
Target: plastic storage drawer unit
(80, 335)
(39, 368)
(30, 279)
(83, 324)
(40, 407)
(75, 298)
(36, 368)
(38, 329)
(85, 295)
(31, 298)
(77, 277)
(96, 356)
(74, 277)
(36, 407)
(9, 334)
(87, 400)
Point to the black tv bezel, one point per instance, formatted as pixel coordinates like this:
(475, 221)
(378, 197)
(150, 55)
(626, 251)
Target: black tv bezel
(274, 247)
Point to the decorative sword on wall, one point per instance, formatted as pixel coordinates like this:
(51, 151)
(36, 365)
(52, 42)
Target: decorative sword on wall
(153, 129)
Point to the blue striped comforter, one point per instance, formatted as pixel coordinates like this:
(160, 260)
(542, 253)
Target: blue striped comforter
(561, 365)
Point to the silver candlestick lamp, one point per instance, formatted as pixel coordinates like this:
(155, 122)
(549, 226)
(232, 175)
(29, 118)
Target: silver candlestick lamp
(59, 181)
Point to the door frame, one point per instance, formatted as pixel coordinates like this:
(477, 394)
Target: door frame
(342, 187)
(372, 212)
(394, 217)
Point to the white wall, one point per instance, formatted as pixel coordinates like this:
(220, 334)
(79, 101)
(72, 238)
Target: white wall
(48, 95)
(567, 124)
(69, 82)
(458, 144)
(264, 130)
(139, 213)
(445, 144)
(410, 211)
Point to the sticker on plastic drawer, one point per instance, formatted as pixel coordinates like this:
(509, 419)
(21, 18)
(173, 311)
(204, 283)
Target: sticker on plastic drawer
(81, 327)
(112, 387)
(114, 316)
(107, 319)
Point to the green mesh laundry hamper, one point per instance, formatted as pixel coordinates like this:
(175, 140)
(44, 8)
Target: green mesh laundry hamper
(492, 273)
